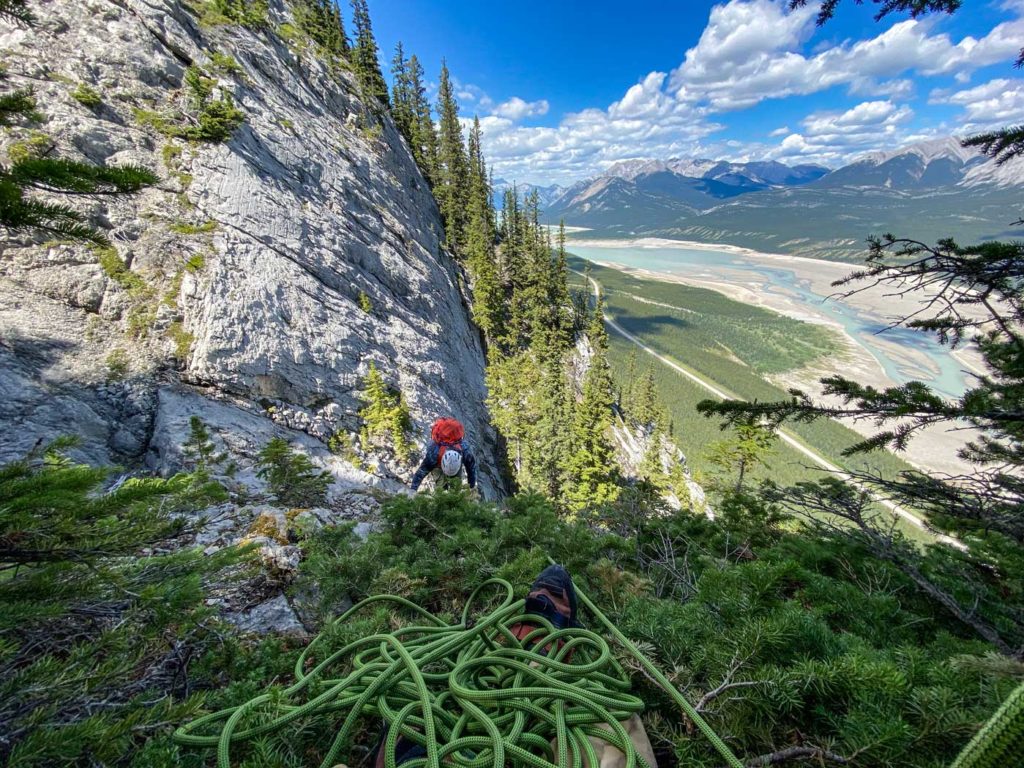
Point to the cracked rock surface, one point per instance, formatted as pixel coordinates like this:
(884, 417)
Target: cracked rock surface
(245, 265)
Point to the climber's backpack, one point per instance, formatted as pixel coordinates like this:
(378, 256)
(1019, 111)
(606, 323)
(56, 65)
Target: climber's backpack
(447, 433)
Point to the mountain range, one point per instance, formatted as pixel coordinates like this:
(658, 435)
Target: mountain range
(765, 205)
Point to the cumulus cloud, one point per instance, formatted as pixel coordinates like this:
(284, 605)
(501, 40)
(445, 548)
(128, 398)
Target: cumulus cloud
(517, 109)
(836, 137)
(749, 52)
(997, 103)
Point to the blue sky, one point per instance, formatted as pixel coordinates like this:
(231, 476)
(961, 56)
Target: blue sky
(565, 89)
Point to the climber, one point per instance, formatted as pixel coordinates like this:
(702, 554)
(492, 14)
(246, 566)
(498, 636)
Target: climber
(449, 451)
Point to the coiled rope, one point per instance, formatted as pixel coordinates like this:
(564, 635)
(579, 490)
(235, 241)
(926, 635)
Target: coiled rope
(470, 694)
(1000, 742)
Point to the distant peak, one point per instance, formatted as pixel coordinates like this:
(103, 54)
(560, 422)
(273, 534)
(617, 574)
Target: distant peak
(948, 148)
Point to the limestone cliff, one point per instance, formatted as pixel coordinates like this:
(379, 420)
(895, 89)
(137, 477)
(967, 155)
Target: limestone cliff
(256, 283)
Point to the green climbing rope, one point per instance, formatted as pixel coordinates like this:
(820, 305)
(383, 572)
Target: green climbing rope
(1000, 742)
(470, 693)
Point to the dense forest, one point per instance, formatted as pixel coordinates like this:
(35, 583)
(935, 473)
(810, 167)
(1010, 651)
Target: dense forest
(793, 615)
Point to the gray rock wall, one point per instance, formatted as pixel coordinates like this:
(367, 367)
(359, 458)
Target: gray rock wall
(250, 256)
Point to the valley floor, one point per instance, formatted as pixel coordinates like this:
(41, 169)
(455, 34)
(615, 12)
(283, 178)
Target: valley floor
(937, 449)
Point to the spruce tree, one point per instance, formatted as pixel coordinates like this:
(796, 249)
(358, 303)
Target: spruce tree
(630, 385)
(322, 21)
(402, 106)
(488, 297)
(364, 55)
(592, 472)
(553, 429)
(293, 478)
(559, 286)
(452, 184)
(200, 449)
(385, 414)
(645, 399)
(425, 135)
(750, 446)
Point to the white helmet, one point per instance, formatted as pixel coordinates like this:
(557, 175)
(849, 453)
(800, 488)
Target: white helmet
(451, 462)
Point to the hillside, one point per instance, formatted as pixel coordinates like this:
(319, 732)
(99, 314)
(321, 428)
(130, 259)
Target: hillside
(926, 191)
(242, 273)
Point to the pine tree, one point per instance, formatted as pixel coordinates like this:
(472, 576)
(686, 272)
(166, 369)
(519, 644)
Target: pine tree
(645, 399)
(364, 55)
(452, 184)
(402, 104)
(17, 12)
(293, 478)
(592, 472)
(425, 135)
(488, 296)
(385, 414)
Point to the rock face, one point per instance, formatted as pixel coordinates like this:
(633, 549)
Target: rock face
(260, 278)
(632, 444)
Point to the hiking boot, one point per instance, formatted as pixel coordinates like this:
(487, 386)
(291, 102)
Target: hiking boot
(405, 749)
(553, 596)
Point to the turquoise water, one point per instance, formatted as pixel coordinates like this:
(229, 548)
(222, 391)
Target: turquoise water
(945, 374)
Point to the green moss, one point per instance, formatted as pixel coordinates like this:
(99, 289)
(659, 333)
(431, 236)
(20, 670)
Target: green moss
(36, 144)
(341, 444)
(171, 154)
(117, 271)
(117, 365)
(194, 265)
(184, 228)
(364, 302)
(208, 120)
(295, 38)
(220, 13)
(224, 64)
(87, 96)
(182, 339)
(159, 122)
(288, 125)
(371, 131)
(141, 318)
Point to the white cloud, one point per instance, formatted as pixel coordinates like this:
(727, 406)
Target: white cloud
(997, 103)
(517, 109)
(836, 137)
(783, 131)
(893, 89)
(751, 51)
